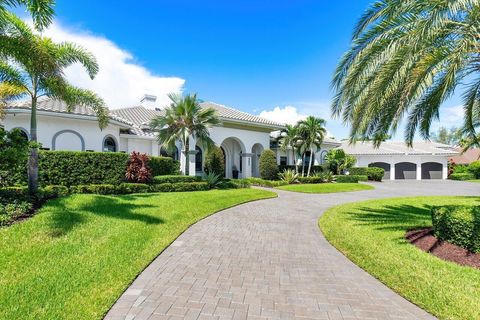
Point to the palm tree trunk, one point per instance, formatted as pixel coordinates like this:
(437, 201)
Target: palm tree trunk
(303, 164)
(295, 159)
(187, 156)
(33, 158)
(310, 162)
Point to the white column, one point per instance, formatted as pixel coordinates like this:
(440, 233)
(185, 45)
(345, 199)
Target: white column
(392, 171)
(444, 170)
(191, 156)
(247, 165)
(419, 171)
(155, 148)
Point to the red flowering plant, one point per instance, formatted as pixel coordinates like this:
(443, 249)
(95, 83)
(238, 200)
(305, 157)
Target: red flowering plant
(138, 170)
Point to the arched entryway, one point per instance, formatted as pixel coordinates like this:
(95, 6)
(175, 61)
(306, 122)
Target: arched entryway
(405, 171)
(432, 170)
(256, 152)
(233, 149)
(385, 166)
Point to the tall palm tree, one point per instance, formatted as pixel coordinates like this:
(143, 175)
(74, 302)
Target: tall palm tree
(35, 69)
(313, 131)
(184, 118)
(406, 58)
(41, 11)
(289, 140)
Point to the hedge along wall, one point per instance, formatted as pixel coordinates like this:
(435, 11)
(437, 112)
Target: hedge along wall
(69, 168)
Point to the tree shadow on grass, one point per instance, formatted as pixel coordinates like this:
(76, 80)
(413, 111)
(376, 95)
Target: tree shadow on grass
(65, 219)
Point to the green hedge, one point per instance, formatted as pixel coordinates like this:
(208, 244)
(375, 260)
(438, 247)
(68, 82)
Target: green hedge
(360, 177)
(474, 168)
(373, 173)
(265, 183)
(459, 225)
(310, 180)
(347, 179)
(180, 187)
(315, 168)
(127, 188)
(176, 179)
(268, 165)
(164, 166)
(462, 176)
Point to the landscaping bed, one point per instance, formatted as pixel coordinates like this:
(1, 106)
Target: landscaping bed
(372, 235)
(326, 187)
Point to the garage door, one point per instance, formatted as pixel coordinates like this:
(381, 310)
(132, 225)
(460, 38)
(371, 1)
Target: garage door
(432, 170)
(385, 166)
(405, 170)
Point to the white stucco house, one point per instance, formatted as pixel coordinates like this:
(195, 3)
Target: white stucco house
(241, 136)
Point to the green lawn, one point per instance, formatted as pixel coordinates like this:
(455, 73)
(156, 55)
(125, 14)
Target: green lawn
(326, 187)
(371, 234)
(476, 180)
(77, 255)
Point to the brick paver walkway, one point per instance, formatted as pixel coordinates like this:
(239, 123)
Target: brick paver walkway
(269, 260)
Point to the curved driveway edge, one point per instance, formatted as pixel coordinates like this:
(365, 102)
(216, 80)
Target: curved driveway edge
(268, 260)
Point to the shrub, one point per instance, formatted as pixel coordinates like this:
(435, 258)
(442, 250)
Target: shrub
(462, 176)
(460, 168)
(179, 187)
(164, 166)
(264, 183)
(310, 180)
(214, 161)
(326, 176)
(95, 188)
(289, 176)
(360, 177)
(14, 210)
(138, 169)
(126, 188)
(54, 191)
(268, 165)
(373, 173)
(346, 179)
(13, 156)
(474, 168)
(338, 160)
(316, 169)
(459, 225)
(11, 194)
(176, 179)
(213, 180)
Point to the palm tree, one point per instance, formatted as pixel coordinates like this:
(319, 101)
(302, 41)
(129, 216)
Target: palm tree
(313, 131)
(184, 118)
(41, 11)
(406, 58)
(37, 71)
(289, 140)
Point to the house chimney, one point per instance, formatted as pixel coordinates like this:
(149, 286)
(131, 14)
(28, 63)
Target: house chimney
(148, 101)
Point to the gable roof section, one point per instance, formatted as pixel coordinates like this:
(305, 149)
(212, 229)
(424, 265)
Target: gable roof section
(467, 157)
(398, 148)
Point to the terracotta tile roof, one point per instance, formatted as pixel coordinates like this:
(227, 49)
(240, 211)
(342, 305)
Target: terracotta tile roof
(398, 148)
(467, 157)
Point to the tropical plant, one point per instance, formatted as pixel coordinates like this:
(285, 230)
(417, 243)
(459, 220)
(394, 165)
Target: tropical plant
(13, 154)
(268, 165)
(183, 119)
(289, 176)
(214, 161)
(338, 160)
(312, 131)
(213, 180)
(37, 71)
(406, 58)
(138, 170)
(289, 139)
(452, 136)
(41, 11)
(325, 176)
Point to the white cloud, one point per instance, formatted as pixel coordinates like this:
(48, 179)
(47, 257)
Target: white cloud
(287, 114)
(121, 81)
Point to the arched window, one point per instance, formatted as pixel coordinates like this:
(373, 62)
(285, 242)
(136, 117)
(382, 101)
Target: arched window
(323, 155)
(109, 145)
(198, 159)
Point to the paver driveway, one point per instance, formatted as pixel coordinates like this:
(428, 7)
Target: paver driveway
(269, 260)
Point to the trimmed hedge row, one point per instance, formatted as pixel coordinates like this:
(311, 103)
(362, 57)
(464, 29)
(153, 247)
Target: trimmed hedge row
(264, 183)
(176, 179)
(315, 168)
(462, 176)
(373, 173)
(310, 180)
(346, 179)
(459, 225)
(127, 188)
(69, 168)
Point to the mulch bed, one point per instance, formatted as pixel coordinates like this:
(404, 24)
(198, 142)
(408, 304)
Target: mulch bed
(426, 241)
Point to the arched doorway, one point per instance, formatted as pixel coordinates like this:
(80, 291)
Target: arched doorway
(405, 171)
(385, 166)
(432, 170)
(233, 149)
(109, 144)
(256, 152)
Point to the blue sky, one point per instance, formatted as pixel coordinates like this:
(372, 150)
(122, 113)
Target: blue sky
(252, 55)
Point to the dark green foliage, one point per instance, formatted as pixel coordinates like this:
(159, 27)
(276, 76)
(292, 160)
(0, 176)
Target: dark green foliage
(214, 161)
(459, 225)
(474, 168)
(176, 179)
(95, 188)
(346, 179)
(460, 168)
(268, 165)
(54, 191)
(360, 177)
(234, 184)
(13, 156)
(213, 180)
(315, 168)
(11, 194)
(11, 211)
(309, 180)
(373, 173)
(264, 183)
(462, 176)
(127, 188)
(180, 187)
(163, 166)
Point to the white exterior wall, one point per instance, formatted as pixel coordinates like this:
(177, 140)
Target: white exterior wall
(290, 157)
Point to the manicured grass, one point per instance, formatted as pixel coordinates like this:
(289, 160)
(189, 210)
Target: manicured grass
(476, 180)
(371, 234)
(77, 255)
(326, 187)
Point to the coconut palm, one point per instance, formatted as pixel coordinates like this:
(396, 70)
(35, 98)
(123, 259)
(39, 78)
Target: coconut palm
(312, 130)
(34, 69)
(184, 118)
(289, 140)
(40, 10)
(406, 58)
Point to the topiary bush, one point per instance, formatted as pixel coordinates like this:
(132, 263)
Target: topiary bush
(265, 183)
(459, 225)
(214, 161)
(179, 187)
(311, 180)
(474, 168)
(360, 177)
(462, 176)
(176, 179)
(346, 179)
(164, 166)
(268, 165)
(372, 173)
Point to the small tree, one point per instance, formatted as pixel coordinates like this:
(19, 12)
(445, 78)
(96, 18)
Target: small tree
(338, 160)
(215, 162)
(138, 169)
(268, 165)
(13, 155)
